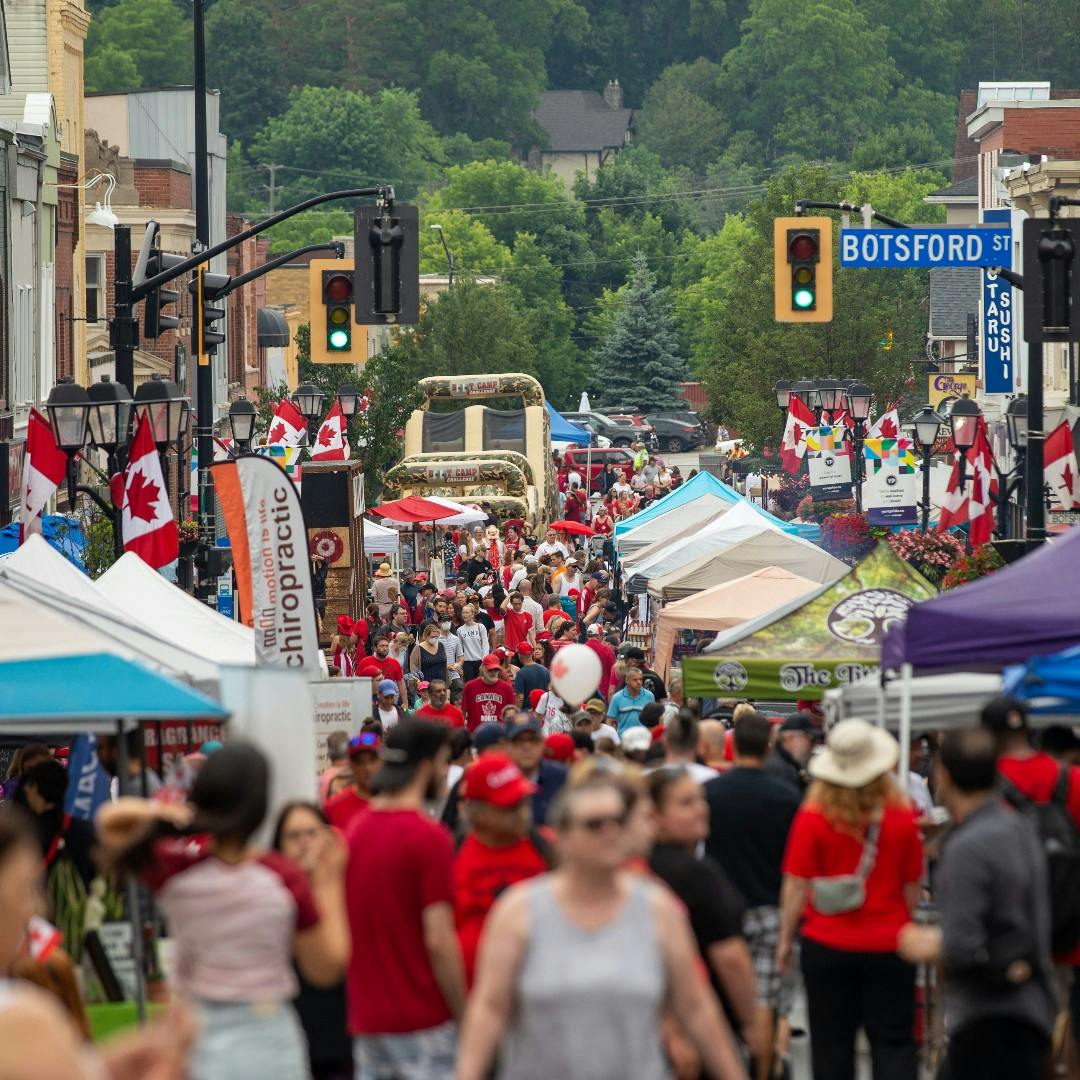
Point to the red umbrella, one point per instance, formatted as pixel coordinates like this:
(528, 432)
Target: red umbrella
(575, 527)
(412, 510)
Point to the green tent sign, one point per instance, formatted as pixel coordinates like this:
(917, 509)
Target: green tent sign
(831, 640)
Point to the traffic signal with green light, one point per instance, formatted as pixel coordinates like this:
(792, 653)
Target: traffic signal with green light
(803, 268)
(331, 294)
(337, 294)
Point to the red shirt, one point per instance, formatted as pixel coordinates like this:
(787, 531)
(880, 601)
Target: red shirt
(550, 613)
(816, 849)
(386, 668)
(484, 702)
(481, 873)
(603, 526)
(344, 806)
(400, 863)
(516, 627)
(449, 714)
(607, 661)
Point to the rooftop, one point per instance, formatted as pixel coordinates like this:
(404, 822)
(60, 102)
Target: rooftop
(577, 120)
(954, 294)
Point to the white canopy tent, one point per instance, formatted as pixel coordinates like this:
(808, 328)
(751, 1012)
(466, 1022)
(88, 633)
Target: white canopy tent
(142, 593)
(676, 523)
(380, 539)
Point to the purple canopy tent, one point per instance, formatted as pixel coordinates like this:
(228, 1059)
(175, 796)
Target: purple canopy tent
(1026, 609)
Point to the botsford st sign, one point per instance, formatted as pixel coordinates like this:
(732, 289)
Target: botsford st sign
(926, 245)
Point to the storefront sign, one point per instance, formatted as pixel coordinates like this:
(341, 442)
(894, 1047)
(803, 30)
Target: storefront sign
(946, 387)
(998, 328)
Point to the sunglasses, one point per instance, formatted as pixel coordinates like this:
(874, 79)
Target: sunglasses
(366, 740)
(600, 822)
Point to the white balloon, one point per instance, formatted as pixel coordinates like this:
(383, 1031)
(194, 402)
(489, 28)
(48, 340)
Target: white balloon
(575, 673)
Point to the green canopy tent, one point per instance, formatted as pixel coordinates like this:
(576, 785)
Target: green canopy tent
(811, 644)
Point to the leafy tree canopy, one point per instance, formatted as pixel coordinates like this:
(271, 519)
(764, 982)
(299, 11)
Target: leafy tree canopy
(135, 43)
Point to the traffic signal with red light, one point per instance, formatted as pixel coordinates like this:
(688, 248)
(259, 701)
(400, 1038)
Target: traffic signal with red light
(803, 268)
(331, 293)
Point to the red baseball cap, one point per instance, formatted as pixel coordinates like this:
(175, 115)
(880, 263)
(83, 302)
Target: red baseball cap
(535, 696)
(495, 779)
(575, 593)
(524, 649)
(491, 661)
(544, 635)
(559, 747)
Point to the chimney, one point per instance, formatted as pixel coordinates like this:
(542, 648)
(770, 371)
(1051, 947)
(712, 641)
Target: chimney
(613, 94)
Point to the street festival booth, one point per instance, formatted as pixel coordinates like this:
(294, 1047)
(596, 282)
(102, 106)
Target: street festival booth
(677, 522)
(1049, 684)
(726, 605)
(415, 511)
(563, 431)
(811, 645)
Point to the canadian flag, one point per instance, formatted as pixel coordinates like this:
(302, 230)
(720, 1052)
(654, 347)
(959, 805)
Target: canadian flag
(332, 444)
(886, 426)
(977, 504)
(42, 939)
(1059, 465)
(44, 468)
(288, 427)
(149, 529)
(793, 446)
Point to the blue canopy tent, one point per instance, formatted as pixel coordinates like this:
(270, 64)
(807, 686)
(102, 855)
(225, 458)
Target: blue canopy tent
(707, 484)
(58, 531)
(1050, 684)
(564, 431)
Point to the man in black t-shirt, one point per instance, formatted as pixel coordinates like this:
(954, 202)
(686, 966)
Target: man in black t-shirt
(531, 675)
(751, 812)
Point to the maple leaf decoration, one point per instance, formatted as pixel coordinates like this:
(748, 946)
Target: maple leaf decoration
(277, 432)
(1067, 479)
(141, 497)
(327, 436)
(888, 429)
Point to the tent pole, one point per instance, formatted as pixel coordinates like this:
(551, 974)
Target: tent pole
(132, 888)
(905, 726)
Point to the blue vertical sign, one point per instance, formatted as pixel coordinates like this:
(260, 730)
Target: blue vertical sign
(998, 323)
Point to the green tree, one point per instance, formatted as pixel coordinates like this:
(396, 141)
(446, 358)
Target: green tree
(681, 120)
(331, 139)
(638, 366)
(310, 227)
(154, 37)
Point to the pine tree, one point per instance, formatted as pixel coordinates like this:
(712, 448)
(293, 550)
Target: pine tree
(638, 366)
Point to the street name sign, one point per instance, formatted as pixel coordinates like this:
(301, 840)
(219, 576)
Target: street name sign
(926, 246)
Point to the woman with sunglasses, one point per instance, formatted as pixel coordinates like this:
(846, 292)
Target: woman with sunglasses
(576, 966)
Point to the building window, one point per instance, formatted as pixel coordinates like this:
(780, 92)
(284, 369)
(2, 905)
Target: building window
(95, 288)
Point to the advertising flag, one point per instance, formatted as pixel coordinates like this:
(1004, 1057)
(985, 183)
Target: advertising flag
(266, 528)
(149, 528)
(44, 468)
(889, 491)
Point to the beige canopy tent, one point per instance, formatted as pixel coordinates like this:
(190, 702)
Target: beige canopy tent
(727, 604)
(762, 548)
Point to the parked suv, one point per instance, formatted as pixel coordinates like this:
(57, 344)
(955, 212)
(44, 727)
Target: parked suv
(645, 431)
(581, 459)
(620, 434)
(675, 435)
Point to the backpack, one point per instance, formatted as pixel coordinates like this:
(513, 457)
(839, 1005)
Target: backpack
(1060, 841)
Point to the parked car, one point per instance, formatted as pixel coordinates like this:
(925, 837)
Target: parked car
(582, 460)
(676, 436)
(646, 432)
(620, 434)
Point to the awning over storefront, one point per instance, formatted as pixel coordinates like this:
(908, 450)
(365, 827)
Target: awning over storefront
(273, 329)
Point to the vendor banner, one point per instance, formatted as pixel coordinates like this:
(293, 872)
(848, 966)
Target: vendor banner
(807, 679)
(829, 463)
(269, 541)
(890, 492)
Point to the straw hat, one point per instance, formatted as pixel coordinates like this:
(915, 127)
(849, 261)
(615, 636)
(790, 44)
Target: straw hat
(855, 753)
(384, 570)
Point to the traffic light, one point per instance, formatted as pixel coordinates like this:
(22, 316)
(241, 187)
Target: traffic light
(337, 296)
(803, 268)
(331, 294)
(387, 278)
(209, 291)
(1051, 279)
(155, 322)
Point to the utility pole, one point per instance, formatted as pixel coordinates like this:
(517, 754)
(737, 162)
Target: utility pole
(272, 186)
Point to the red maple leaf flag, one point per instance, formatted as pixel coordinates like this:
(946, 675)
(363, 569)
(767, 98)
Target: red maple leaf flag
(149, 527)
(332, 443)
(793, 444)
(289, 426)
(886, 426)
(1059, 465)
(44, 468)
(975, 504)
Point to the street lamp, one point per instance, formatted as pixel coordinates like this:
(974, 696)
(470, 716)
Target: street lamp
(68, 406)
(166, 409)
(308, 398)
(109, 416)
(857, 398)
(806, 391)
(1016, 425)
(1016, 422)
(831, 395)
(964, 419)
(451, 266)
(927, 426)
(349, 399)
(242, 423)
(782, 390)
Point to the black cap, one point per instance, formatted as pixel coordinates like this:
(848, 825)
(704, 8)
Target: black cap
(514, 730)
(1002, 715)
(1058, 739)
(631, 652)
(407, 745)
(488, 734)
(801, 721)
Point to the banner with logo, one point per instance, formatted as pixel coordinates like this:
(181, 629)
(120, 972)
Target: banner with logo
(890, 492)
(261, 507)
(829, 463)
(832, 639)
(945, 387)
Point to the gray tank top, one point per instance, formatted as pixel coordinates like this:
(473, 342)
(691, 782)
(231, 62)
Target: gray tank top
(588, 1002)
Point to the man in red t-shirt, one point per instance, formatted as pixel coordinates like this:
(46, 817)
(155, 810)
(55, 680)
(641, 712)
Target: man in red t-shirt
(405, 984)
(381, 665)
(363, 764)
(438, 709)
(517, 623)
(500, 849)
(486, 696)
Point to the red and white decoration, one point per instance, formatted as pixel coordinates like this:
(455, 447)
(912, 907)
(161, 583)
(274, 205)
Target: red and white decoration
(793, 446)
(975, 502)
(149, 529)
(288, 427)
(332, 442)
(1059, 465)
(44, 469)
(886, 426)
(42, 939)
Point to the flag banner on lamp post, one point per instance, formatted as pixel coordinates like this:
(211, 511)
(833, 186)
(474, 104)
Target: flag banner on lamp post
(828, 461)
(266, 528)
(889, 492)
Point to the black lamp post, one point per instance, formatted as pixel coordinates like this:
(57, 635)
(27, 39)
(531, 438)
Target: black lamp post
(1016, 427)
(165, 408)
(806, 391)
(927, 426)
(964, 420)
(857, 398)
(782, 390)
(308, 398)
(242, 423)
(830, 396)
